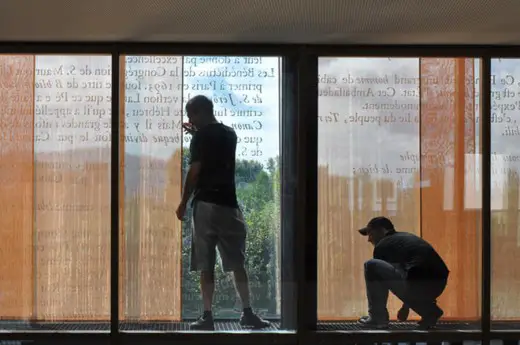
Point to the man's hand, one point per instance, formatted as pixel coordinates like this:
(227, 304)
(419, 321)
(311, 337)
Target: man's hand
(181, 210)
(189, 128)
(402, 314)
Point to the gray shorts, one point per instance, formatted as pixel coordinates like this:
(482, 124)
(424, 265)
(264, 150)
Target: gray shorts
(217, 226)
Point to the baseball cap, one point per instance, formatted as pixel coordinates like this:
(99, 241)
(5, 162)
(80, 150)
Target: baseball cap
(377, 222)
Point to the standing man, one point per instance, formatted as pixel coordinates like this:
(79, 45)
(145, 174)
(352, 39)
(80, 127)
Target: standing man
(408, 266)
(217, 219)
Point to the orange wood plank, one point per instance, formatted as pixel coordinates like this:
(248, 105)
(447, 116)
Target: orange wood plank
(445, 221)
(72, 217)
(16, 186)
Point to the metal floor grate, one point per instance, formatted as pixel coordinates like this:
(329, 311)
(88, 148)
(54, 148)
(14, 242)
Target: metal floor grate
(396, 326)
(230, 326)
(227, 326)
(505, 325)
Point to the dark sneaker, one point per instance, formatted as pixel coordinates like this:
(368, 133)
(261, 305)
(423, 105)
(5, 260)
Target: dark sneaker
(204, 323)
(251, 320)
(369, 322)
(428, 322)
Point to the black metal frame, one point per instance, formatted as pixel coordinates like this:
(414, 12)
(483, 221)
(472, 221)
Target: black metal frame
(289, 170)
(299, 178)
(485, 114)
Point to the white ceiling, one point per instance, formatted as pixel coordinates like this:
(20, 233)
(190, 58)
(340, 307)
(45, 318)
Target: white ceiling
(264, 21)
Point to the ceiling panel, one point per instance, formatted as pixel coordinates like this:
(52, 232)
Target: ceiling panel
(265, 21)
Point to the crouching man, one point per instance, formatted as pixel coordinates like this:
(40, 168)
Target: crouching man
(408, 266)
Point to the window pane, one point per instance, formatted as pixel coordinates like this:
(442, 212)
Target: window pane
(397, 137)
(56, 189)
(151, 187)
(156, 247)
(16, 186)
(72, 187)
(505, 274)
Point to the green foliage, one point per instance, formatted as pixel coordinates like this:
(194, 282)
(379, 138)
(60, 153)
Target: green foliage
(258, 192)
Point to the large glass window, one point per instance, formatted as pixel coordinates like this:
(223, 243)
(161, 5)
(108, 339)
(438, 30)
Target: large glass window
(55, 168)
(151, 140)
(55, 146)
(157, 284)
(505, 193)
(398, 138)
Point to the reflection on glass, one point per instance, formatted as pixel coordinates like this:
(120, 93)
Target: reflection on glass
(151, 187)
(505, 194)
(156, 281)
(55, 227)
(397, 137)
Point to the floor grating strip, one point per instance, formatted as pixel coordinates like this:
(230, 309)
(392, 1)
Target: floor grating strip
(396, 326)
(228, 326)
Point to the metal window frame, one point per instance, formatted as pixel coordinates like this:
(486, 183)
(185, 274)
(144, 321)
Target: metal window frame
(299, 178)
(289, 168)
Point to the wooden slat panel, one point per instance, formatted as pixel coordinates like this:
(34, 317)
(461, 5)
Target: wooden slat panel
(445, 223)
(341, 286)
(152, 235)
(434, 207)
(347, 197)
(16, 186)
(505, 273)
(505, 200)
(72, 189)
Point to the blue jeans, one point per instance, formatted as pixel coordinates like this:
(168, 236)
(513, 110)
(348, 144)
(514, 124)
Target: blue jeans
(382, 277)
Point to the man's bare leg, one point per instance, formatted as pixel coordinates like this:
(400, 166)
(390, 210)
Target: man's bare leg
(242, 287)
(248, 318)
(207, 288)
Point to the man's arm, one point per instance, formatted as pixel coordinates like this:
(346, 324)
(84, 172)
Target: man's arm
(378, 253)
(191, 181)
(196, 154)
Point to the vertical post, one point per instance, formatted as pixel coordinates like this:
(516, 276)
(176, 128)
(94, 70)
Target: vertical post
(485, 134)
(288, 172)
(181, 173)
(459, 183)
(114, 202)
(306, 249)
(420, 220)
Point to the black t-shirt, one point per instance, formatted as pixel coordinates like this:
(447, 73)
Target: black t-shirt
(416, 256)
(214, 146)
